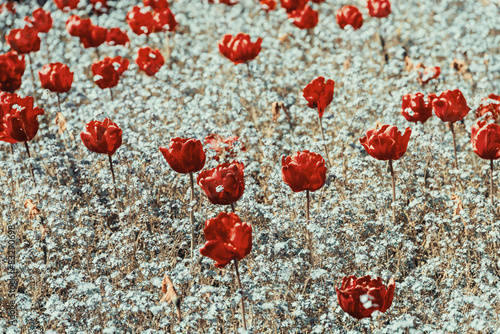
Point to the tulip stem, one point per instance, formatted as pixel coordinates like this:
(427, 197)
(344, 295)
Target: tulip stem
(454, 143)
(491, 183)
(31, 166)
(232, 207)
(382, 43)
(191, 214)
(111, 94)
(32, 78)
(309, 236)
(324, 142)
(241, 293)
(12, 149)
(112, 173)
(393, 181)
(59, 102)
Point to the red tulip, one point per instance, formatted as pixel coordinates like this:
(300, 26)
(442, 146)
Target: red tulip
(228, 238)
(66, 5)
(93, 36)
(414, 108)
(164, 17)
(56, 77)
(304, 171)
(102, 137)
(291, 5)
(349, 15)
(360, 297)
(319, 94)
(225, 2)
(140, 21)
(155, 4)
(12, 68)
(41, 20)
(24, 40)
(239, 49)
(220, 145)
(485, 140)
(490, 111)
(76, 26)
(379, 8)
(224, 184)
(116, 36)
(450, 106)
(109, 71)
(184, 155)
(100, 6)
(268, 5)
(19, 121)
(386, 143)
(9, 6)
(149, 60)
(426, 74)
(304, 18)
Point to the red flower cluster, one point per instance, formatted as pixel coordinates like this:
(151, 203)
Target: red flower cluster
(41, 20)
(319, 94)
(490, 111)
(349, 15)
(163, 17)
(56, 77)
(450, 106)
(102, 137)
(239, 49)
(12, 68)
(228, 238)
(24, 40)
(77, 26)
(18, 118)
(142, 21)
(66, 5)
(224, 184)
(360, 297)
(304, 171)
(149, 60)
(108, 71)
(386, 143)
(414, 108)
(116, 36)
(304, 18)
(485, 140)
(220, 145)
(184, 155)
(379, 8)
(292, 5)
(91, 36)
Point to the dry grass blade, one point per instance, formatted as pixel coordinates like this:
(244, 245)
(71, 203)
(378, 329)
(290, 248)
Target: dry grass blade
(170, 295)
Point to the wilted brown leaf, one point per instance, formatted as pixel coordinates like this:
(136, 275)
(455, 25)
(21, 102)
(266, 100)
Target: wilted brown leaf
(33, 210)
(408, 64)
(61, 121)
(276, 107)
(284, 38)
(170, 295)
(459, 205)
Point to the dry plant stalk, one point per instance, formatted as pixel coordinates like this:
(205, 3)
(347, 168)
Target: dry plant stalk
(33, 210)
(459, 205)
(276, 107)
(61, 121)
(170, 295)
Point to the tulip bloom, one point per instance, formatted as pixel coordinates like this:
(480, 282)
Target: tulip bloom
(349, 15)
(360, 297)
(304, 171)
(268, 5)
(451, 106)
(116, 36)
(108, 71)
(24, 40)
(93, 36)
(292, 5)
(319, 94)
(41, 20)
(184, 155)
(490, 111)
(379, 8)
(164, 18)
(155, 4)
(304, 18)
(239, 49)
(414, 108)
(220, 145)
(12, 68)
(19, 118)
(224, 184)
(149, 60)
(140, 21)
(66, 5)
(56, 77)
(76, 26)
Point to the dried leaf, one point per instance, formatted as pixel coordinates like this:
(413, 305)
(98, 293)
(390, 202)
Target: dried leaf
(408, 64)
(170, 295)
(459, 205)
(276, 107)
(33, 210)
(459, 66)
(347, 64)
(61, 121)
(284, 38)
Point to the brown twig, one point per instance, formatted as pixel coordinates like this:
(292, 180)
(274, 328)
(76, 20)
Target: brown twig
(393, 181)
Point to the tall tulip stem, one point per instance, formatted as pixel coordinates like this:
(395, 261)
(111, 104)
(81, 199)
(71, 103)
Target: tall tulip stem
(191, 214)
(309, 235)
(111, 94)
(324, 142)
(232, 207)
(32, 78)
(491, 183)
(454, 143)
(393, 181)
(11, 148)
(59, 102)
(112, 173)
(382, 43)
(31, 166)
(241, 293)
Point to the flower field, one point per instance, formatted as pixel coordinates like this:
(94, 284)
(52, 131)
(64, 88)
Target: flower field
(225, 166)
